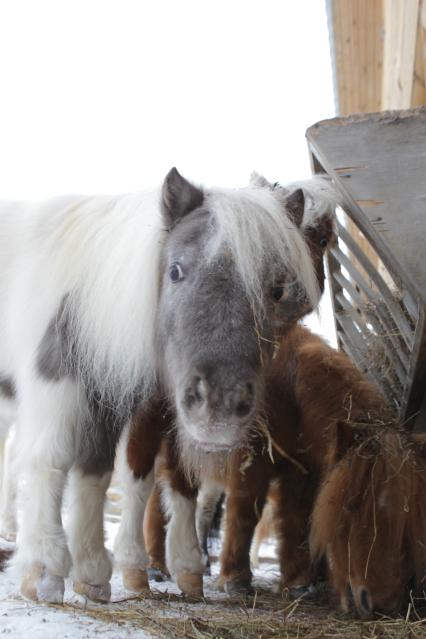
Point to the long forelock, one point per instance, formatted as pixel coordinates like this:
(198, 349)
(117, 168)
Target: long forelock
(253, 225)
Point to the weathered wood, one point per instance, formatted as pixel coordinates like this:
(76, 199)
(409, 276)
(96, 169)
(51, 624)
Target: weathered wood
(382, 159)
(400, 29)
(419, 81)
(358, 53)
(378, 163)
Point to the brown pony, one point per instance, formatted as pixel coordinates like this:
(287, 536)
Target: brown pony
(310, 388)
(369, 519)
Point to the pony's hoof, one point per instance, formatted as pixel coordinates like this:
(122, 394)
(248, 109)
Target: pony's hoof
(38, 585)
(307, 592)
(100, 593)
(240, 587)
(191, 584)
(156, 574)
(135, 579)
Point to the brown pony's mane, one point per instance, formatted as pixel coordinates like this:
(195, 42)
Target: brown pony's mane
(369, 520)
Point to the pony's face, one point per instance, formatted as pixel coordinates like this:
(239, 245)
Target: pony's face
(226, 293)
(377, 573)
(360, 520)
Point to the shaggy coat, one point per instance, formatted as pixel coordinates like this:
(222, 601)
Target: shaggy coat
(310, 388)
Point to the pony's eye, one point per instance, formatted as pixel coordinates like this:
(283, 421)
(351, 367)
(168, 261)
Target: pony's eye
(176, 273)
(277, 293)
(323, 242)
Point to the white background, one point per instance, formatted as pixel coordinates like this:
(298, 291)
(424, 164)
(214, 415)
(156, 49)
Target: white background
(107, 95)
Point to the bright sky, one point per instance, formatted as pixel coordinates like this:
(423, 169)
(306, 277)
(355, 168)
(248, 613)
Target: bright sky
(107, 95)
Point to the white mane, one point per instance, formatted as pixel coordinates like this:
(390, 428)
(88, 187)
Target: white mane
(107, 253)
(254, 226)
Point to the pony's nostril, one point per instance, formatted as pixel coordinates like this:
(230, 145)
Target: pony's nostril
(243, 408)
(250, 389)
(244, 400)
(365, 602)
(196, 393)
(201, 389)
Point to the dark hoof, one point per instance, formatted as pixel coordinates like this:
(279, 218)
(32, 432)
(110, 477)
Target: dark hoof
(240, 587)
(307, 592)
(155, 574)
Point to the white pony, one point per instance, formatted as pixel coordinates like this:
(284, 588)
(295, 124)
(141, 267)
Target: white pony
(90, 324)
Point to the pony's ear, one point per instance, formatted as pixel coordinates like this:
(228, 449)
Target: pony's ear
(295, 205)
(178, 198)
(259, 181)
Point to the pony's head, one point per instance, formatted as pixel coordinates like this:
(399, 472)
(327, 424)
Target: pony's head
(370, 501)
(236, 271)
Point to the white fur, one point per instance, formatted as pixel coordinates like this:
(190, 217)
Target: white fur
(101, 255)
(9, 485)
(183, 553)
(46, 439)
(91, 563)
(129, 546)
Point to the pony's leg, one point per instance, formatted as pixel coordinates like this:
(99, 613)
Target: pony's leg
(183, 552)
(45, 445)
(264, 529)
(292, 509)
(154, 532)
(9, 484)
(246, 495)
(135, 463)
(8, 481)
(92, 566)
(207, 501)
(94, 461)
(129, 546)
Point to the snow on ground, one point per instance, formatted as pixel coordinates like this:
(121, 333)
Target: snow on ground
(21, 618)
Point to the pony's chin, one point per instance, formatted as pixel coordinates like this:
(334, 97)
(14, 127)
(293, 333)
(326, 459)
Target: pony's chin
(210, 447)
(193, 439)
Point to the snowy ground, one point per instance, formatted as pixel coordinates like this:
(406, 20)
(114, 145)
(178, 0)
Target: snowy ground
(21, 618)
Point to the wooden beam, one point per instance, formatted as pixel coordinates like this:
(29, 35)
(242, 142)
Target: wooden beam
(358, 47)
(400, 22)
(419, 81)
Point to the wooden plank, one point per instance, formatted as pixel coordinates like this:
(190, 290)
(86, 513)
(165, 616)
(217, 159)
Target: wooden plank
(419, 81)
(385, 159)
(400, 28)
(358, 53)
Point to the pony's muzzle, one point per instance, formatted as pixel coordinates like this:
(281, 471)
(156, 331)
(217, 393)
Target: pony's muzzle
(237, 402)
(218, 415)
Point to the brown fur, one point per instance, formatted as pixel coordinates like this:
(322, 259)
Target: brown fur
(310, 388)
(369, 519)
(154, 531)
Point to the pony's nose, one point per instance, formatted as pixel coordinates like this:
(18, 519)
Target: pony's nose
(238, 401)
(242, 399)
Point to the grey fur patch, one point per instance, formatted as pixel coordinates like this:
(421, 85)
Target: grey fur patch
(98, 439)
(7, 387)
(53, 357)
